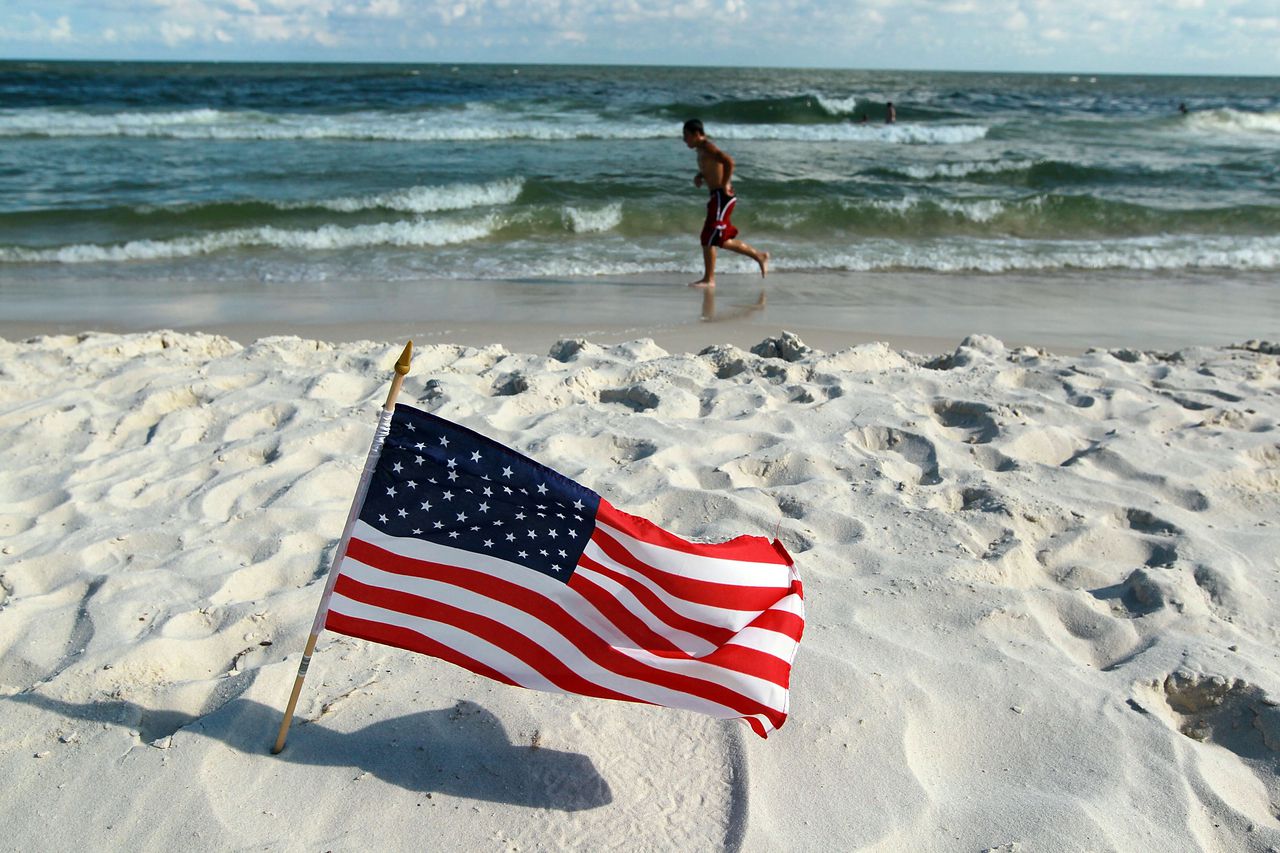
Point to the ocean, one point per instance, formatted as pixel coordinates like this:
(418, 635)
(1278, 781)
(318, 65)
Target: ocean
(177, 173)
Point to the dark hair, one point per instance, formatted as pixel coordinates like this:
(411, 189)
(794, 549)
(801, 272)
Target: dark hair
(694, 125)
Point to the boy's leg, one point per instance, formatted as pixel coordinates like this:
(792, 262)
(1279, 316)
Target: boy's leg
(761, 258)
(708, 268)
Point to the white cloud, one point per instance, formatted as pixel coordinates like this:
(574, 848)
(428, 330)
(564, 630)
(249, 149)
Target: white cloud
(173, 33)
(1266, 24)
(33, 27)
(1138, 35)
(61, 29)
(303, 8)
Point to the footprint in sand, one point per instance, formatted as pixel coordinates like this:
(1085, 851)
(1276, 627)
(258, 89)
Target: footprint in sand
(972, 421)
(918, 452)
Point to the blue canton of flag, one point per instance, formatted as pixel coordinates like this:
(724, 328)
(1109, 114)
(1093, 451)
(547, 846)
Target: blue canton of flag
(445, 484)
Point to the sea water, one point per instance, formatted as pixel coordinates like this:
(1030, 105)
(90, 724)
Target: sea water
(286, 172)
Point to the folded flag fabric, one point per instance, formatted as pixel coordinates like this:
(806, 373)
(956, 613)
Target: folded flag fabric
(470, 552)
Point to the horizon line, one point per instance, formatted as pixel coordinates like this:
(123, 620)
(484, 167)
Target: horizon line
(548, 64)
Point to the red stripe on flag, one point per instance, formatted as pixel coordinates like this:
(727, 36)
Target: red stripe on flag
(714, 634)
(403, 638)
(733, 657)
(760, 664)
(628, 623)
(782, 621)
(491, 630)
(548, 612)
(710, 593)
(752, 549)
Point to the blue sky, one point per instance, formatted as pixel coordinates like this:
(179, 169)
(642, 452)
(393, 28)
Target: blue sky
(1099, 36)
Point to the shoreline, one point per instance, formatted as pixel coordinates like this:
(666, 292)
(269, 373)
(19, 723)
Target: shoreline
(921, 312)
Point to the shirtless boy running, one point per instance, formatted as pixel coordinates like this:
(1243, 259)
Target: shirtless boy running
(715, 169)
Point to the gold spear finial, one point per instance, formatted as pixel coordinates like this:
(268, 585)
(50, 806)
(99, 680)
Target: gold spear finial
(402, 366)
(402, 370)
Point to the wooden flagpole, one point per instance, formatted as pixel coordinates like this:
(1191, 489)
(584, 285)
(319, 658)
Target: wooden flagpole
(402, 370)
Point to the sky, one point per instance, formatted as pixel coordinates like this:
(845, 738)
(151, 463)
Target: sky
(1094, 36)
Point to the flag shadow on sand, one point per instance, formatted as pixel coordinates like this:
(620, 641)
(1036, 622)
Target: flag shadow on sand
(463, 751)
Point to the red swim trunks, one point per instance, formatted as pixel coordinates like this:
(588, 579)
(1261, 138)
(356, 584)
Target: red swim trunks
(717, 228)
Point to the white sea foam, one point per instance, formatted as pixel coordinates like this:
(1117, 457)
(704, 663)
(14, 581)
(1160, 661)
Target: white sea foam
(417, 233)
(1006, 255)
(589, 220)
(924, 172)
(901, 134)
(900, 206)
(421, 199)
(1235, 122)
(881, 254)
(57, 123)
(979, 210)
(983, 210)
(474, 123)
(838, 106)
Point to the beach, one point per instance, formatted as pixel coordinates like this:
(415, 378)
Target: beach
(1009, 396)
(924, 312)
(1041, 591)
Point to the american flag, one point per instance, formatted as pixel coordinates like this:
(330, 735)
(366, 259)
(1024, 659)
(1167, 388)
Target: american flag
(467, 551)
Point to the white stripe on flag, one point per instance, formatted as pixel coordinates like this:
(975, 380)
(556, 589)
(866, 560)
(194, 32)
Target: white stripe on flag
(718, 617)
(455, 638)
(536, 582)
(525, 674)
(556, 644)
(698, 567)
(690, 644)
(764, 640)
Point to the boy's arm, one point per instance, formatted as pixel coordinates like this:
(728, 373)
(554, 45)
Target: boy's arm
(727, 162)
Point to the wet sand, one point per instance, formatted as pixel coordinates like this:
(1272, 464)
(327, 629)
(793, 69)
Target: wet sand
(920, 312)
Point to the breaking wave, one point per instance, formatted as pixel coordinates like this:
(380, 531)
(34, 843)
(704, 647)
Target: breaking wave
(422, 199)
(587, 221)
(1230, 121)
(325, 238)
(473, 124)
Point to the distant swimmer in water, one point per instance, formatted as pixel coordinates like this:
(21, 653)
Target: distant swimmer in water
(890, 114)
(862, 118)
(1182, 108)
(715, 171)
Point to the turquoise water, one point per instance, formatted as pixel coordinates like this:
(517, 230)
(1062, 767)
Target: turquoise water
(318, 172)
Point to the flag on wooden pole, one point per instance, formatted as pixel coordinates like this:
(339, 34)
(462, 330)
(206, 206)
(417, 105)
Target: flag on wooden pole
(468, 551)
(371, 461)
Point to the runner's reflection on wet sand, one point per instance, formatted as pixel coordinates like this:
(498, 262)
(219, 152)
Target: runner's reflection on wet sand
(709, 314)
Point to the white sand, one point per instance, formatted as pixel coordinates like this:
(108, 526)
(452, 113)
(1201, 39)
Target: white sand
(1043, 598)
